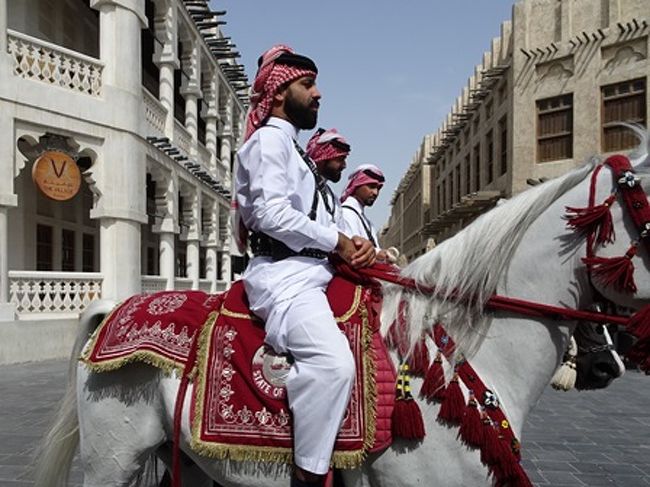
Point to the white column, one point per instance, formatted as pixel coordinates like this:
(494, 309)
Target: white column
(167, 258)
(166, 57)
(193, 262)
(226, 268)
(120, 22)
(211, 260)
(3, 28)
(7, 311)
(191, 90)
(120, 257)
(211, 98)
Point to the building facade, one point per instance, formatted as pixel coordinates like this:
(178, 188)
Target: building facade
(119, 120)
(548, 95)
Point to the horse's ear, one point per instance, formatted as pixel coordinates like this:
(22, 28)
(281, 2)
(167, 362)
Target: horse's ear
(639, 157)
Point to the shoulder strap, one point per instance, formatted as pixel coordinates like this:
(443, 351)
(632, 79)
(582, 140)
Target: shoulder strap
(364, 223)
(321, 186)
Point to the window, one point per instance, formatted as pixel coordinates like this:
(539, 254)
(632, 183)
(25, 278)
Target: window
(555, 128)
(44, 248)
(489, 156)
(88, 251)
(477, 167)
(622, 102)
(503, 144)
(67, 250)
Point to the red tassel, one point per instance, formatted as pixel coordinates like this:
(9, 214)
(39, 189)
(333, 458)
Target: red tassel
(489, 442)
(471, 425)
(616, 271)
(639, 323)
(639, 353)
(406, 421)
(596, 219)
(433, 386)
(419, 359)
(453, 406)
(505, 467)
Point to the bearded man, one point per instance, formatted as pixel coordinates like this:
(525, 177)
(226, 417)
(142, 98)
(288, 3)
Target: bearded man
(329, 150)
(285, 204)
(361, 191)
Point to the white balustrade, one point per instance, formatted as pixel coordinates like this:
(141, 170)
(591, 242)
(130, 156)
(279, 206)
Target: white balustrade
(182, 283)
(153, 284)
(154, 114)
(204, 157)
(205, 285)
(222, 286)
(182, 137)
(35, 292)
(43, 61)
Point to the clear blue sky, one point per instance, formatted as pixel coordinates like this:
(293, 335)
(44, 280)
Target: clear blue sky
(389, 72)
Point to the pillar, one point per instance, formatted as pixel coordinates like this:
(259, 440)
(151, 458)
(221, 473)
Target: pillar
(120, 257)
(166, 57)
(7, 311)
(193, 261)
(167, 258)
(191, 89)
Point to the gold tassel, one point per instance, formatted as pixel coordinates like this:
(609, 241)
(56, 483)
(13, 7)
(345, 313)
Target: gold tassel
(565, 376)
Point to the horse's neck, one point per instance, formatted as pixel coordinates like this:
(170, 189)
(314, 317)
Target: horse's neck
(520, 354)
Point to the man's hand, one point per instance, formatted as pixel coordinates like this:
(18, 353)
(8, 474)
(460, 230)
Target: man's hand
(358, 252)
(382, 256)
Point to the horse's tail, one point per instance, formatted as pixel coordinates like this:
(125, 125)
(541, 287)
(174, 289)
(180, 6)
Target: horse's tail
(54, 455)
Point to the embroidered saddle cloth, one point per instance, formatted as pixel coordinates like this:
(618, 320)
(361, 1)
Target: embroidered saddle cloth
(239, 407)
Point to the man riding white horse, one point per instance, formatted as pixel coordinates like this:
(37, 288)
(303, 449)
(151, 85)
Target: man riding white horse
(293, 218)
(362, 191)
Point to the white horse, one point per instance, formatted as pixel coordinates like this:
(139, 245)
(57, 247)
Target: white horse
(520, 249)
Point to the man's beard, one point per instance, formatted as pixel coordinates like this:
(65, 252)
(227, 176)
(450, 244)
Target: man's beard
(369, 201)
(302, 116)
(331, 174)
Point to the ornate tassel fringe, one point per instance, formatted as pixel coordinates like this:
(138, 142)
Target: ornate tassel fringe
(596, 220)
(489, 442)
(565, 376)
(406, 421)
(614, 271)
(433, 386)
(471, 425)
(453, 406)
(418, 360)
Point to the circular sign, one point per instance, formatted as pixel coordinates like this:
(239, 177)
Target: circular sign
(57, 175)
(270, 372)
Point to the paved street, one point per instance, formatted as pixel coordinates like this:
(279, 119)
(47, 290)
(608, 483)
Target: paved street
(572, 439)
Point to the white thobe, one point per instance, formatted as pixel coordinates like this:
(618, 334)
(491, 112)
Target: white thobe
(274, 192)
(355, 221)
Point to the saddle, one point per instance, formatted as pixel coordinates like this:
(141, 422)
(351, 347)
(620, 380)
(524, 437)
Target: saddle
(239, 409)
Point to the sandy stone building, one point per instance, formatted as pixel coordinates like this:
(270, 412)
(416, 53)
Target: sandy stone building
(546, 96)
(118, 124)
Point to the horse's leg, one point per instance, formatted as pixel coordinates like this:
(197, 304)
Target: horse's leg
(120, 423)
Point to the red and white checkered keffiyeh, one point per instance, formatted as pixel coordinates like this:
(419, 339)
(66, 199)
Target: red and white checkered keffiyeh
(322, 146)
(364, 174)
(270, 77)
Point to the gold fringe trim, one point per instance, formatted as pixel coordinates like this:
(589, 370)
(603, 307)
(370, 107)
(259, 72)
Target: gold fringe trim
(200, 373)
(241, 316)
(355, 304)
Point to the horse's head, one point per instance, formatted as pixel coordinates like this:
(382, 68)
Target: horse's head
(597, 363)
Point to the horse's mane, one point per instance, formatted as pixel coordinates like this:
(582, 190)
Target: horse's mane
(473, 262)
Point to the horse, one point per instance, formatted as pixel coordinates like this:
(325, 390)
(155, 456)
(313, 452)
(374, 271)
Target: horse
(521, 248)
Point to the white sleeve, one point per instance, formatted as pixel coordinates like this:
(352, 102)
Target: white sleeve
(271, 210)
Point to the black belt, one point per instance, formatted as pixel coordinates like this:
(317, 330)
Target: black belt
(264, 246)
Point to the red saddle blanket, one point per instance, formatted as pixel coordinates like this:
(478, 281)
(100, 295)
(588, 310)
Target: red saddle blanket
(239, 407)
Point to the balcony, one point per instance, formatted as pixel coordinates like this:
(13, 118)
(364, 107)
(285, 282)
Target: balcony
(49, 63)
(154, 115)
(59, 294)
